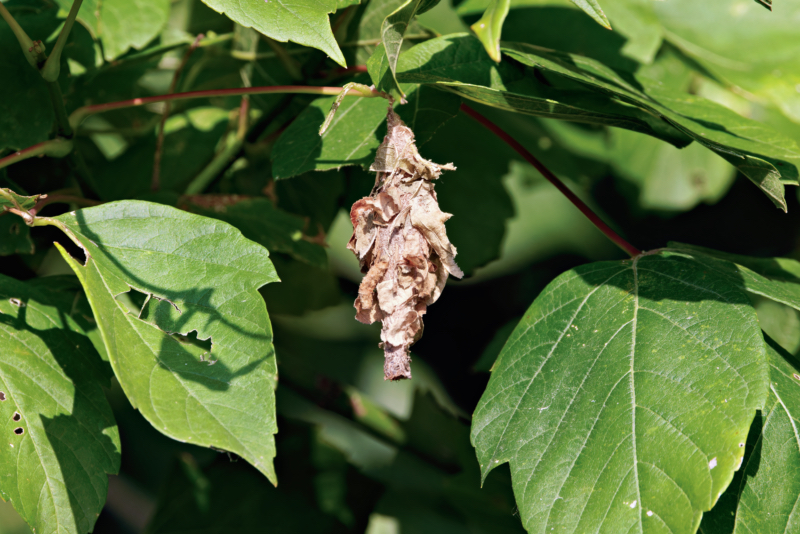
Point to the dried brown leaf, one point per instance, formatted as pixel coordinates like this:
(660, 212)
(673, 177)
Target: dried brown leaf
(399, 237)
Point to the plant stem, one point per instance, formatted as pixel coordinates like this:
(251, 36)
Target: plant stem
(66, 199)
(54, 147)
(81, 113)
(25, 42)
(52, 67)
(581, 205)
(155, 183)
(62, 119)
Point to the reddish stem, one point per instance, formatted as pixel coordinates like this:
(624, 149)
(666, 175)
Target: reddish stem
(79, 114)
(581, 205)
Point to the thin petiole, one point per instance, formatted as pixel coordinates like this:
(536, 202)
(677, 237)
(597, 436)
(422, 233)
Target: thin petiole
(553, 179)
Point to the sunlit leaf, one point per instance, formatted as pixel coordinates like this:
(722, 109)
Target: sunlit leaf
(577, 399)
(60, 440)
(200, 275)
(301, 21)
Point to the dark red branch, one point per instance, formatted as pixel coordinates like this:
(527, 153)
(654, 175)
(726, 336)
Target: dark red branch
(522, 151)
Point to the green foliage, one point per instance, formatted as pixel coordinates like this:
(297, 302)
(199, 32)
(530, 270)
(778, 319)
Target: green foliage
(184, 290)
(221, 397)
(576, 398)
(57, 425)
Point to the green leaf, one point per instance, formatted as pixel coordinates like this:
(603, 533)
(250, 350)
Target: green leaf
(459, 63)
(394, 28)
(760, 153)
(200, 275)
(355, 132)
(260, 221)
(121, 25)
(379, 71)
(777, 279)
(303, 22)
(9, 199)
(66, 293)
(667, 178)
(15, 236)
(770, 489)
(26, 115)
(364, 32)
(60, 438)
(593, 9)
(490, 26)
(742, 44)
(577, 401)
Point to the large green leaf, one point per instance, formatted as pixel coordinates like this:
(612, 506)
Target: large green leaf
(200, 275)
(120, 24)
(60, 440)
(770, 487)
(355, 132)
(459, 63)
(303, 22)
(623, 399)
(765, 156)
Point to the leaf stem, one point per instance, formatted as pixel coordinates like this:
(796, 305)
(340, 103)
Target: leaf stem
(25, 42)
(52, 67)
(553, 179)
(62, 119)
(56, 148)
(81, 113)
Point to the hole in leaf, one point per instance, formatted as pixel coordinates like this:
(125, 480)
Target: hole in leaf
(204, 344)
(19, 431)
(133, 300)
(17, 416)
(14, 229)
(17, 302)
(796, 376)
(2, 396)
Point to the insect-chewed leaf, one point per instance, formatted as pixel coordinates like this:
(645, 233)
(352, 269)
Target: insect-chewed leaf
(623, 399)
(60, 440)
(200, 275)
(401, 243)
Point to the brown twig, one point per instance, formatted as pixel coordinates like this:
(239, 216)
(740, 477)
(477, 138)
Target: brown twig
(580, 204)
(155, 184)
(79, 114)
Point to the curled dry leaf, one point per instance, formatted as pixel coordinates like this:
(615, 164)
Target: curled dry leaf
(400, 240)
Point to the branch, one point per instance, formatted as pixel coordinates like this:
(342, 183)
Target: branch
(81, 113)
(581, 205)
(56, 148)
